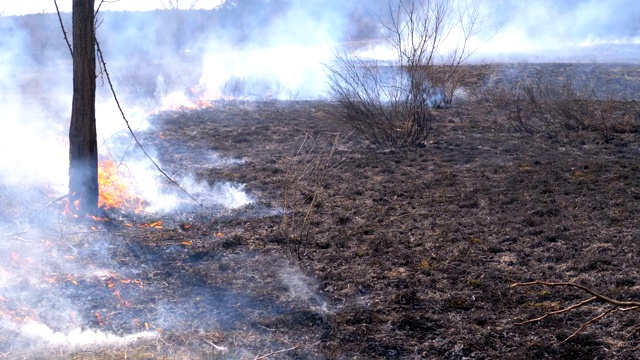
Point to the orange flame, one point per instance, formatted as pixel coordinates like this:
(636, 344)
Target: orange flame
(99, 319)
(72, 209)
(177, 101)
(114, 192)
(156, 224)
(15, 257)
(194, 105)
(117, 294)
(17, 316)
(71, 278)
(113, 281)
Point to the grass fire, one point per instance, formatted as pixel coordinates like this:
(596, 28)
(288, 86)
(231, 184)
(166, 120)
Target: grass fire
(115, 190)
(393, 179)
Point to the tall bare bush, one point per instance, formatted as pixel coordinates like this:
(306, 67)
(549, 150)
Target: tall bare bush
(390, 102)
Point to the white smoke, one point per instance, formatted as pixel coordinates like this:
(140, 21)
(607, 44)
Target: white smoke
(275, 57)
(221, 194)
(286, 72)
(547, 30)
(43, 335)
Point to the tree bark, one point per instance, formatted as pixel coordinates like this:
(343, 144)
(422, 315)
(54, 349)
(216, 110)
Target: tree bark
(83, 145)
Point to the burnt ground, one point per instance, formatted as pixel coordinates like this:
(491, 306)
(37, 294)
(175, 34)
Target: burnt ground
(414, 250)
(392, 254)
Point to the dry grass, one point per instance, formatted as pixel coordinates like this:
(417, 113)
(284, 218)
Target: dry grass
(311, 162)
(570, 106)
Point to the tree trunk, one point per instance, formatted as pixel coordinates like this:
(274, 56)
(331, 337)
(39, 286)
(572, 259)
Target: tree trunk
(83, 145)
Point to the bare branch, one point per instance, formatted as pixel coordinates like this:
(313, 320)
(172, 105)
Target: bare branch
(617, 305)
(177, 4)
(170, 4)
(583, 288)
(104, 67)
(591, 321)
(193, 4)
(98, 8)
(102, 2)
(66, 39)
(5, 8)
(561, 311)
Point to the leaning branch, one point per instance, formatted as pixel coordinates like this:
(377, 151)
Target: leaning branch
(115, 97)
(66, 39)
(616, 305)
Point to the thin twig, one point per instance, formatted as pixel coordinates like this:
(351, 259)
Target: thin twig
(55, 201)
(66, 39)
(275, 352)
(583, 326)
(574, 306)
(16, 236)
(100, 5)
(219, 348)
(49, 204)
(115, 97)
(583, 288)
(617, 305)
(637, 328)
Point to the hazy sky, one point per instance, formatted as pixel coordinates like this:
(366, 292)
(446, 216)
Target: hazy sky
(20, 7)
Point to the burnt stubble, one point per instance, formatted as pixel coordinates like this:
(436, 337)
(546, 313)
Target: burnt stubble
(413, 250)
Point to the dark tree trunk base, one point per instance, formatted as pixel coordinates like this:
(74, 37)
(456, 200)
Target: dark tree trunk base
(83, 145)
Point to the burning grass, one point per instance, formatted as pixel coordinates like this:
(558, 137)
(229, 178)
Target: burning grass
(140, 294)
(115, 189)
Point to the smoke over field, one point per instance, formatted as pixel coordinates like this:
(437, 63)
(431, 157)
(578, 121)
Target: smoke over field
(583, 31)
(222, 100)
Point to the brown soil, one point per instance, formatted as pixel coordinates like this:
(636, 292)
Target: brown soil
(397, 254)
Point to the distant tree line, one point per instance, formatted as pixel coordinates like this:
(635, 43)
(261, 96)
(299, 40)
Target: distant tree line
(171, 31)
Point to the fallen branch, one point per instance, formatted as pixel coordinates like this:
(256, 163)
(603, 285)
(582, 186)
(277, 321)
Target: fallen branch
(55, 201)
(583, 288)
(616, 305)
(574, 306)
(16, 236)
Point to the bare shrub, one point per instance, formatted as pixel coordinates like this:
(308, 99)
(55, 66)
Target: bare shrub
(306, 176)
(389, 103)
(512, 101)
(138, 84)
(387, 114)
(234, 87)
(570, 105)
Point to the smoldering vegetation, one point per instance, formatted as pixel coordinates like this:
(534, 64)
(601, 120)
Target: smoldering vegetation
(302, 243)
